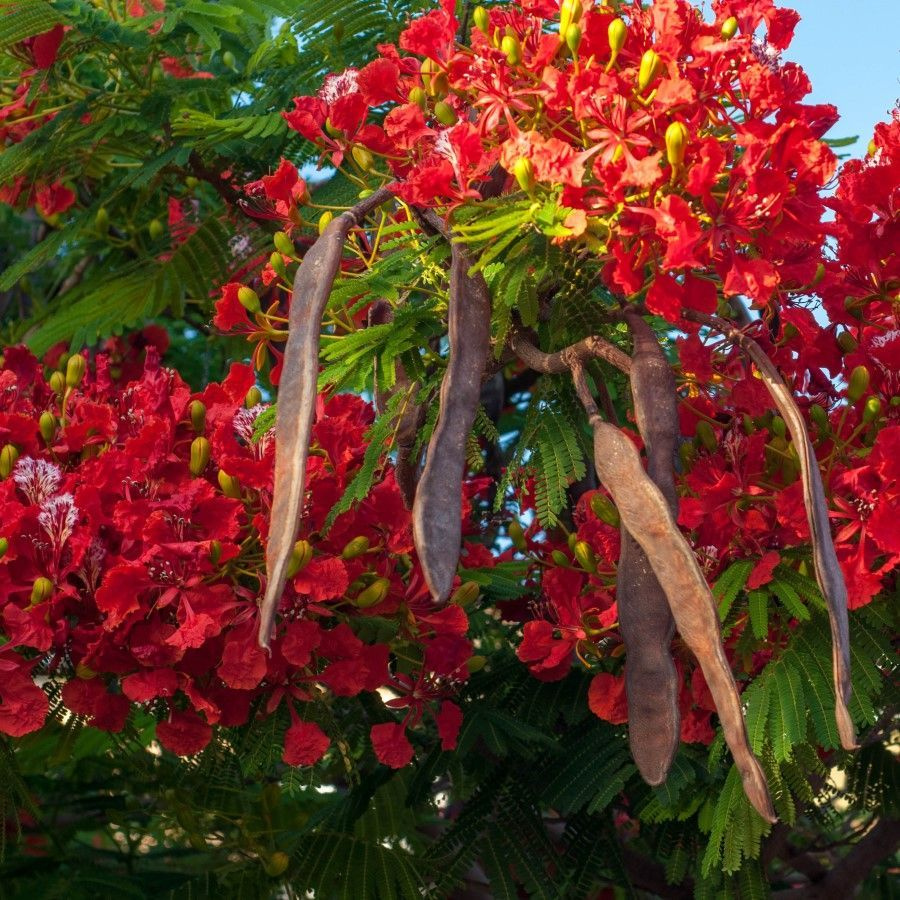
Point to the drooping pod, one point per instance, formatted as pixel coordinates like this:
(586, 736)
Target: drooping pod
(646, 515)
(437, 510)
(645, 620)
(297, 398)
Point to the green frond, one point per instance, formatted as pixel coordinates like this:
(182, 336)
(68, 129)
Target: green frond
(20, 19)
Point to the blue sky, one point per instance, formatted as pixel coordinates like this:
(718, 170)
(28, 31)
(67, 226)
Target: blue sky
(851, 52)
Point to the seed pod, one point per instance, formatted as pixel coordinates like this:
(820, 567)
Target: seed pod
(466, 594)
(646, 620)
(847, 342)
(200, 450)
(418, 96)
(858, 383)
(707, 435)
(573, 38)
(155, 229)
(47, 426)
(444, 113)
(512, 48)
(4, 547)
(523, 169)
(373, 594)
(363, 158)
(297, 397)
(198, 415)
(253, 398)
(517, 535)
(356, 547)
(676, 140)
(649, 69)
(604, 509)
(283, 244)
(276, 864)
(872, 410)
(729, 28)
(300, 557)
(584, 553)
(437, 511)
(57, 382)
(41, 590)
(481, 18)
(249, 299)
(617, 33)
(9, 456)
(75, 369)
(230, 486)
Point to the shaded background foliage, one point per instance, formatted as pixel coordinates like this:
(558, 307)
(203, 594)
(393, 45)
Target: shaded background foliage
(531, 801)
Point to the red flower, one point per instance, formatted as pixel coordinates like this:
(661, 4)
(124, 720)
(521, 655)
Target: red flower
(391, 745)
(304, 744)
(185, 733)
(606, 698)
(449, 720)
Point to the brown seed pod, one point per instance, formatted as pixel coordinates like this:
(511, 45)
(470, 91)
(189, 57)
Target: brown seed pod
(297, 398)
(645, 513)
(437, 510)
(828, 571)
(645, 620)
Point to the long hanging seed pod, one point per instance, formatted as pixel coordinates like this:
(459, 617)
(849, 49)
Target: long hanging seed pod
(410, 420)
(828, 570)
(645, 620)
(437, 510)
(297, 398)
(645, 513)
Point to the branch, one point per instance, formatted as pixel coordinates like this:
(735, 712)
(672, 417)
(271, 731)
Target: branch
(828, 571)
(592, 347)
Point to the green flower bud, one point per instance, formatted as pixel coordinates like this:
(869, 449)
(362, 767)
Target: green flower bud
(276, 864)
(847, 342)
(75, 369)
(198, 415)
(819, 417)
(4, 546)
(331, 130)
(200, 450)
(512, 48)
(560, 559)
(101, 221)
(253, 398)
(872, 148)
(363, 158)
(649, 69)
(858, 383)
(585, 556)
(41, 590)
(748, 423)
(228, 59)
(466, 594)
(482, 19)
(517, 535)
(872, 410)
(191, 183)
(249, 299)
(677, 137)
(300, 557)
(778, 426)
(605, 510)
(57, 382)
(729, 28)
(418, 96)
(9, 456)
(707, 435)
(283, 244)
(445, 113)
(230, 486)
(47, 426)
(325, 220)
(617, 34)
(155, 229)
(476, 663)
(573, 38)
(356, 547)
(687, 453)
(523, 169)
(215, 552)
(374, 594)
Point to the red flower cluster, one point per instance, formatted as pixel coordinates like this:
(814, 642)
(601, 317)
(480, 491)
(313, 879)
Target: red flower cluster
(677, 149)
(131, 550)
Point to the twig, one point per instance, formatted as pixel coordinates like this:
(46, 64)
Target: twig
(592, 347)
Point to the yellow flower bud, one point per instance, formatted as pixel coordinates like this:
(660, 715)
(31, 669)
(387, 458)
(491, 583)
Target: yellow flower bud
(356, 547)
(573, 38)
(729, 28)
(4, 546)
(47, 426)
(858, 383)
(198, 415)
(332, 130)
(481, 18)
(253, 398)
(75, 369)
(276, 864)
(617, 32)
(677, 137)
(325, 220)
(41, 590)
(418, 96)
(300, 557)
(277, 263)
(871, 148)
(283, 244)
(523, 169)
(200, 450)
(9, 456)
(604, 509)
(512, 48)
(57, 382)
(585, 555)
(466, 594)
(570, 12)
(191, 183)
(230, 486)
(249, 299)
(445, 113)
(374, 594)
(155, 229)
(363, 158)
(517, 535)
(101, 221)
(649, 69)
